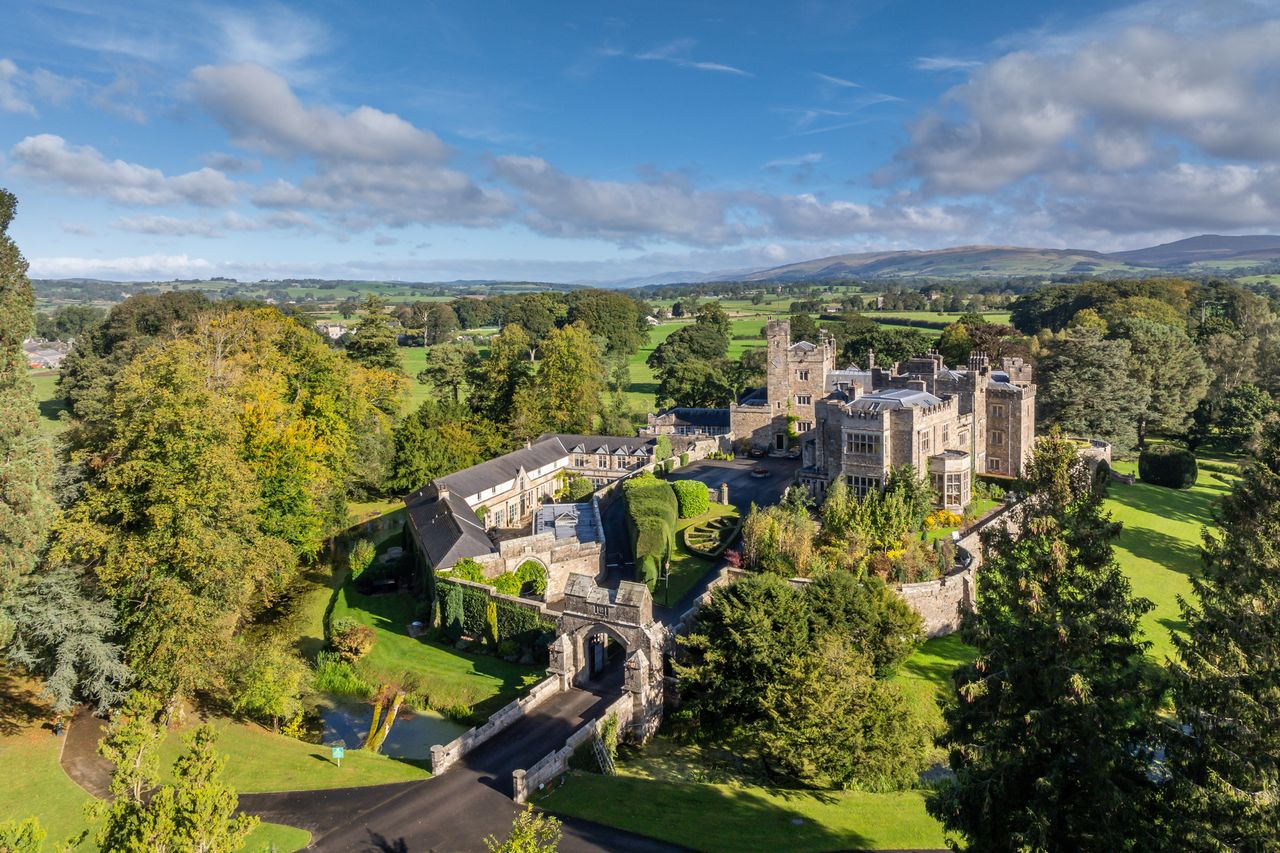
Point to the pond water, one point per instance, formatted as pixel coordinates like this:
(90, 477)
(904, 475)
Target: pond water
(412, 735)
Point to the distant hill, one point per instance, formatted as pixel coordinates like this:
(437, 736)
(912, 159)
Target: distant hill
(1205, 253)
(1205, 248)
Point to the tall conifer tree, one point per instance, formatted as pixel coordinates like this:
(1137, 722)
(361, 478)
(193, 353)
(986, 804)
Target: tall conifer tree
(1225, 755)
(1050, 738)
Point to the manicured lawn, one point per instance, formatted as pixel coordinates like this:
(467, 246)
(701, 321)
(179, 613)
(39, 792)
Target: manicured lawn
(1159, 546)
(649, 797)
(687, 568)
(36, 786)
(925, 677)
(413, 360)
(449, 677)
(671, 792)
(643, 383)
(259, 760)
(49, 400)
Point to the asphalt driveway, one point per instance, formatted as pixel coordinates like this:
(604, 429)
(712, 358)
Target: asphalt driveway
(744, 489)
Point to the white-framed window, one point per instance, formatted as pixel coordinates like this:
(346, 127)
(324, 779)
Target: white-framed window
(802, 375)
(926, 440)
(997, 410)
(862, 486)
(993, 464)
(862, 443)
(804, 426)
(804, 399)
(997, 437)
(580, 461)
(602, 460)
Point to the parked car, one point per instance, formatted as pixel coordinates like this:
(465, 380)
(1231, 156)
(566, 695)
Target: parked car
(757, 452)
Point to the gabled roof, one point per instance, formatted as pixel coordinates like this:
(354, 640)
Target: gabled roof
(486, 475)
(803, 346)
(447, 529)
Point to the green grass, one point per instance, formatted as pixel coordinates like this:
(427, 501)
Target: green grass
(36, 786)
(672, 793)
(259, 760)
(49, 401)
(1159, 546)
(448, 677)
(413, 360)
(728, 817)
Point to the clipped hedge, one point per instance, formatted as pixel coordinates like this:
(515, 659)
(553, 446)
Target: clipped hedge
(1167, 465)
(652, 510)
(472, 611)
(692, 497)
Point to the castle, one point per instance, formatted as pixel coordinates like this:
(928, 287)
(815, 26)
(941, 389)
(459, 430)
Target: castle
(948, 423)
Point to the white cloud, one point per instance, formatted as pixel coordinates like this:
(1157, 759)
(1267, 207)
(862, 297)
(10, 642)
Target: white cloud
(83, 170)
(677, 53)
(810, 159)
(272, 36)
(372, 167)
(139, 267)
(665, 208)
(230, 163)
(171, 226)
(1101, 105)
(944, 63)
(11, 100)
(837, 81)
(261, 112)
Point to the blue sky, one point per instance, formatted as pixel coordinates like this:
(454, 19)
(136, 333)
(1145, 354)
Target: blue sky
(599, 141)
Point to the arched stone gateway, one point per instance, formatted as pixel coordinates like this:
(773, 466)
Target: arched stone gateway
(593, 616)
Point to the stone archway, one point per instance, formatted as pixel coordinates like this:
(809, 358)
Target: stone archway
(624, 615)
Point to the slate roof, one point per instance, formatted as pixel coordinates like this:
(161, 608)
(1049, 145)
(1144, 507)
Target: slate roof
(447, 528)
(472, 481)
(687, 416)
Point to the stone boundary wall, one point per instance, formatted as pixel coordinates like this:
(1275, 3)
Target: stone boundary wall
(943, 602)
(554, 764)
(445, 756)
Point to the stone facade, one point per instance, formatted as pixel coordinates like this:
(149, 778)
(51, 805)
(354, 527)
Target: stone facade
(947, 423)
(796, 380)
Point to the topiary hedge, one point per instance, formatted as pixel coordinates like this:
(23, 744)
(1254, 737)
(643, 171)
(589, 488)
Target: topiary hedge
(692, 497)
(652, 510)
(1168, 465)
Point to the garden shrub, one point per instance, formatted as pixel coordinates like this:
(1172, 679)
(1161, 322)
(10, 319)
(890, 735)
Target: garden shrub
(334, 675)
(692, 498)
(468, 569)
(454, 618)
(534, 574)
(652, 510)
(1167, 465)
(507, 583)
(361, 557)
(662, 449)
(669, 466)
(353, 642)
(491, 621)
(684, 459)
(475, 604)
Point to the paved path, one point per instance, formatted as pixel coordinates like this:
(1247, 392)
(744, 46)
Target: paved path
(455, 811)
(80, 757)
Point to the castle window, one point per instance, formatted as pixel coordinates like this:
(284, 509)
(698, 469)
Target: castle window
(926, 439)
(946, 434)
(862, 486)
(997, 437)
(802, 375)
(997, 410)
(804, 426)
(964, 439)
(993, 464)
(862, 443)
(804, 399)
